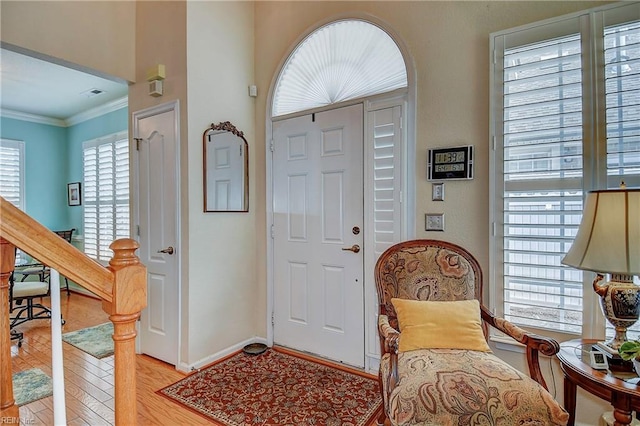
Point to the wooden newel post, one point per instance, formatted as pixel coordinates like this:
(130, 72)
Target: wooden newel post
(129, 298)
(8, 408)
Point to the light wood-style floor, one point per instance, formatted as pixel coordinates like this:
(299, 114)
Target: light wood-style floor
(88, 380)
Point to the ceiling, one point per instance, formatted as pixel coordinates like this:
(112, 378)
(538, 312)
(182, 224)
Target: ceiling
(33, 86)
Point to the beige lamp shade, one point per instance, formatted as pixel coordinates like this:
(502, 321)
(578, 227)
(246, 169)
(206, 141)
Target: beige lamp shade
(608, 239)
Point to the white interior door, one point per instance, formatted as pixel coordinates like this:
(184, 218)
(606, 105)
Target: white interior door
(157, 174)
(318, 239)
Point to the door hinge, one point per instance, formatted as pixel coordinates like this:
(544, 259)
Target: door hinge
(273, 320)
(272, 146)
(494, 143)
(138, 230)
(138, 140)
(273, 232)
(495, 56)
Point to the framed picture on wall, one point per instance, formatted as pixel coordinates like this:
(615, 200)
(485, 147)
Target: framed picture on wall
(74, 195)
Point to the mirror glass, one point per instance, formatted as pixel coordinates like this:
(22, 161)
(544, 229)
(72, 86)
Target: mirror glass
(226, 169)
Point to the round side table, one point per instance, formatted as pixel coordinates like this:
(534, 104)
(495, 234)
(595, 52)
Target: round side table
(623, 394)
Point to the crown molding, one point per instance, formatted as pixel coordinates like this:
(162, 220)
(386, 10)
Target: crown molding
(71, 121)
(24, 116)
(98, 111)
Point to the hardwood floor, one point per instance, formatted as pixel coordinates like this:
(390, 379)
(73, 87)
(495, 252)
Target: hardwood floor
(89, 381)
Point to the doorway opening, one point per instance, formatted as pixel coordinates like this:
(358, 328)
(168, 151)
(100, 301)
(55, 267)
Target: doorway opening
(341, 109)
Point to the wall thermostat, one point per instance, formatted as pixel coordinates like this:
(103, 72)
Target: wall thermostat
(450, 163)
(598, 360)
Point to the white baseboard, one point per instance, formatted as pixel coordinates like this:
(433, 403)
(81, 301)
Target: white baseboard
(190, 368)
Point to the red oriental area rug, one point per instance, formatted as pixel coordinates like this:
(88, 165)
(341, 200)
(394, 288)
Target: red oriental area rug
(278, 387)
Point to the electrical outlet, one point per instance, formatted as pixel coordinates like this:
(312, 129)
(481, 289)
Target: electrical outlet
(434, 221)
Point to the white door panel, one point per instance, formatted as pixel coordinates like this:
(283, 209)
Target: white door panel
(318, 200)
(157, 141)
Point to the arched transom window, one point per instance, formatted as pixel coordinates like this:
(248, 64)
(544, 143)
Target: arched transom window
(343, 60)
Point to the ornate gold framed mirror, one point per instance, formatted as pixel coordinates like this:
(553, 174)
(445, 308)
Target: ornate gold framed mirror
(226, 169)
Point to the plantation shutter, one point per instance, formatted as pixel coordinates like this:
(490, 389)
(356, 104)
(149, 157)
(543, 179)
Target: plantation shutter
(387, 220)
(12, 176)
(383, 165)
(622, 87)
(106, 194)
(541, 154)
(12, 172)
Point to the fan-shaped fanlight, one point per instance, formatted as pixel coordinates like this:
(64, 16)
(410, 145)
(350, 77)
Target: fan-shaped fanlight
(340, 61)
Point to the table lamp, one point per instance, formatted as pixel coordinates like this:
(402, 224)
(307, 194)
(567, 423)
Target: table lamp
(608, 242)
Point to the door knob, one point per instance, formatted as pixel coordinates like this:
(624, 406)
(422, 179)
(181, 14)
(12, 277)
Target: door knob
(354, 248)
(168, 250)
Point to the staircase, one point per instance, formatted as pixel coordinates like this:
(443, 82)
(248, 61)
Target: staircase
(122, 287)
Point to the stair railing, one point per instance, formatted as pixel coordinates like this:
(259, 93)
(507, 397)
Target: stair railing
(122, 287)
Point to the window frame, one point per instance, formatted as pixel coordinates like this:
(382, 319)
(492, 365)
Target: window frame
(590, 25)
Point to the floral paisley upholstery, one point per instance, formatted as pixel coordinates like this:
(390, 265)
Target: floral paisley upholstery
(460, 387)
(452, 386)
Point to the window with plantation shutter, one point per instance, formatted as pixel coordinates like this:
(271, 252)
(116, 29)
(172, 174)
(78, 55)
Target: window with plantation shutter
(106, 194)
(622, 88)
(565, 108)
(12, 172)
(542, 171)
(12, 176)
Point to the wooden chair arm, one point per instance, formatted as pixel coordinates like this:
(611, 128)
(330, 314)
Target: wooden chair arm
(390, 334)
(533, 342)
(391, 337)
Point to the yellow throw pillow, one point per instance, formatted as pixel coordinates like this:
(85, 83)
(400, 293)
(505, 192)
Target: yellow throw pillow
(440, 325)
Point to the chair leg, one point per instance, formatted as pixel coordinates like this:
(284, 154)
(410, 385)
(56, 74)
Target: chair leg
(17, 335)
(43, 313)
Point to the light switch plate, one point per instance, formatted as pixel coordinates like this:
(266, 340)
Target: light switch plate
(437, 191)
(434, 222)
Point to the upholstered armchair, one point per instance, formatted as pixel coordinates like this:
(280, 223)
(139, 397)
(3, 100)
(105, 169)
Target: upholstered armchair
(436, 366)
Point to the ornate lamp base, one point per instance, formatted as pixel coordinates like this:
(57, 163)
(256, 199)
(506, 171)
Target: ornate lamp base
(620, 303)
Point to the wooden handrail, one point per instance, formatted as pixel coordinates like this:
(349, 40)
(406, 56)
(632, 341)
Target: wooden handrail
(48, 248)
(122, 286)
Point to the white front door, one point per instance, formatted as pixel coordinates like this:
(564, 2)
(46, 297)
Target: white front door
(318, 238)
(157, 138)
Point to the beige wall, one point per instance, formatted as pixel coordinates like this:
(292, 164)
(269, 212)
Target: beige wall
(98, 36)
(222, 267)
(212, 51)
(449, 44)
(161, 38)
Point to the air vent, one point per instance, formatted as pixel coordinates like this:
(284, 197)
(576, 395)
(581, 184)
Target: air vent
(92, 92)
